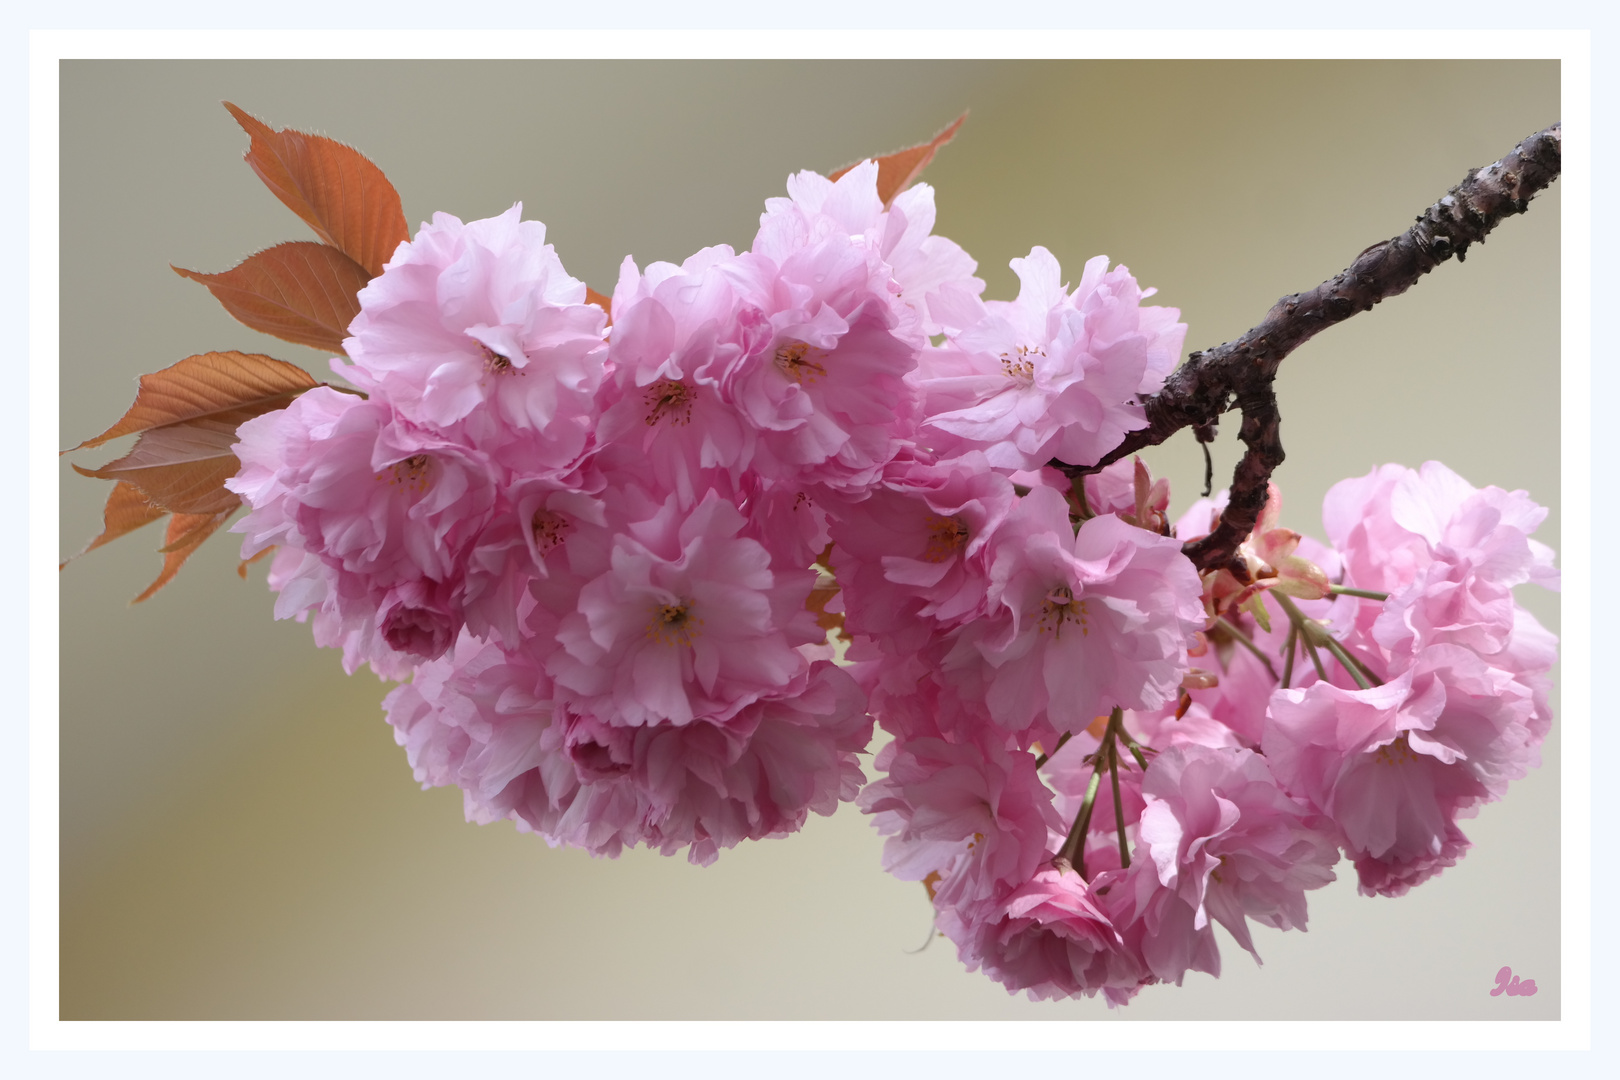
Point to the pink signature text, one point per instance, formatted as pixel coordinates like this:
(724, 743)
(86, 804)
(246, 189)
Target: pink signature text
(1511, 985)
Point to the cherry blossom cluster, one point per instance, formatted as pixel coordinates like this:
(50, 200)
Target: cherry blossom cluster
(651, 582)
(1360, 697)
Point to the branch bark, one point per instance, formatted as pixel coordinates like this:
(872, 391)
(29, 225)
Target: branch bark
(1240, 373)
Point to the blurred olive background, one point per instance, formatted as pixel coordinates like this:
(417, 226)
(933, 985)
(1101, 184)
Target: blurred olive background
(241, 838)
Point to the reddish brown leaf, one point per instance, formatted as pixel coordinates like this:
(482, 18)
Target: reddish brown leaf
(208, 384)
(126, 511)
(336, 190)
(182, 468)
(301, 292)
(186, 533)
(898, 170)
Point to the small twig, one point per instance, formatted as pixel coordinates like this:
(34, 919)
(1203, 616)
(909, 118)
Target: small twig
(1240, 373)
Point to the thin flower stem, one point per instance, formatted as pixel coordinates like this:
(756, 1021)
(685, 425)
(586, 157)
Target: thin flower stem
(1365, 594)
(1073, 850)
(1135, 749)
(1316, 658)
(1288, 654)
(1297, 617)
(1044, 758)
(1344, 661)
(1246, 641)
(1119, 807)
(1358, 671)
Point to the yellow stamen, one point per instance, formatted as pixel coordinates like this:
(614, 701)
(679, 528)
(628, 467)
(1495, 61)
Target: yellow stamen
(946, 536)
(410, 474)
(791, 361)
(674, 624)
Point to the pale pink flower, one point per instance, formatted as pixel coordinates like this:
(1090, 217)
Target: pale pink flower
(915, 550)
(1050, 374)
(1229, 842)
(1049, 938)
(482, 719)
(389, 509)
(664, 415)
(475, 719)
(689, 621)
(921, 266)
(475, 330)
(1448, 554)
(1081, 622)
(707, 786)
(973, 815)
(1394, 765)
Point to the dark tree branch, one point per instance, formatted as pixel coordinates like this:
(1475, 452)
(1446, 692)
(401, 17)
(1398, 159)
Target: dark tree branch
(1240, 373)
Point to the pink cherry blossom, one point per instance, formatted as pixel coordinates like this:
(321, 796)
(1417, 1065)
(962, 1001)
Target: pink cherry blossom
(972, 815)
(1396, 764)
(388, 509)
(689, 621)
(1229, 842)
(475, 330)
(916, 549)
(1081, 622)
(1050, 375)
(1448, 553)
(1049, 938)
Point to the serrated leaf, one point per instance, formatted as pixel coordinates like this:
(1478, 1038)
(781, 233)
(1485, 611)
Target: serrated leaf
(301, 292)
(182, 468)
(336, 190)
(126, 511)
(205, 385)
(897, 171)
(186, 533)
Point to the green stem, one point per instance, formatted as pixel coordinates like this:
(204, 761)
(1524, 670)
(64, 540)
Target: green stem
(1131, 744)
(1073, 850)
(1358, 671)
(1246, 641)
(1119, 806)
(1297, 617)
(1288, 650)
(1365, 594)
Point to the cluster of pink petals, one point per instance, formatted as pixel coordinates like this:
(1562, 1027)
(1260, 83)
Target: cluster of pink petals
(1053, 374)
(607, 557)
(1461, 708)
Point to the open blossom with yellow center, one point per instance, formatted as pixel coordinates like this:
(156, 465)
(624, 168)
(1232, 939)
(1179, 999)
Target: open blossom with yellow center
(1087, 621)
(674, 623)
(688, 622)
